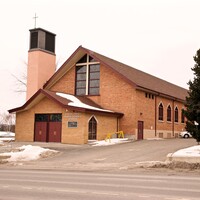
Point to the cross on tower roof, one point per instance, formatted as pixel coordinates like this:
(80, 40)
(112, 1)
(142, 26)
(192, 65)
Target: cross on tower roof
(35, 18)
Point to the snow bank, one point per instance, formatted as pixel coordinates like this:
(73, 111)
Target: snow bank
(155, 139)
(110, 142)
(26, 153)
(6, 134)
(193, 151)
(7, 139)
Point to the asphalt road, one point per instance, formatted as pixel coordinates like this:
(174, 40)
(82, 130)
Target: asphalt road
(47, 184)
(90, 158)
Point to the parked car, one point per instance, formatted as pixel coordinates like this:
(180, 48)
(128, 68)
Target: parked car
(185, 134)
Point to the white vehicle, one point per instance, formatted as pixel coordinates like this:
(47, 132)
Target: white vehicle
(185, 134)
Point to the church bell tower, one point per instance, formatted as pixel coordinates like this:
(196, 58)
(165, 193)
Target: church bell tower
(41, 60)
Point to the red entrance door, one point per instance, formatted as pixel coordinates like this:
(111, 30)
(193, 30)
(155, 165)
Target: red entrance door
(140, 130)
(40, 131)
(48, 127)
(54, 132)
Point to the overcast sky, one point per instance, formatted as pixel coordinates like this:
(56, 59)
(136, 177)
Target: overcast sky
(159, 37)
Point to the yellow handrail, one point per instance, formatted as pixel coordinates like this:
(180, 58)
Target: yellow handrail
(120, 134)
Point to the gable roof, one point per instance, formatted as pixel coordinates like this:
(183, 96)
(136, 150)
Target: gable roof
(138, 78)
(68, 101)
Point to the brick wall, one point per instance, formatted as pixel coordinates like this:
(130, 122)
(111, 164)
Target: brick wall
(24, 126)
(66, 84)
(165, 128)
(118, 95)
(145, 111)
(115, 94)
(25, 120)
(79, 135)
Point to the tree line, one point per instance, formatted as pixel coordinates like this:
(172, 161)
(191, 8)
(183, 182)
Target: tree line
(7, 122)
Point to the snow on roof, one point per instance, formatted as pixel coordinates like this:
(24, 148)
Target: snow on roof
(77, 103)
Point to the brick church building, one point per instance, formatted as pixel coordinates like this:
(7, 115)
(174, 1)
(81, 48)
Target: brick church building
(92, 95)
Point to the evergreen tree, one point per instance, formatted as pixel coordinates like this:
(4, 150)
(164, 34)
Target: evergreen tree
(192, 111)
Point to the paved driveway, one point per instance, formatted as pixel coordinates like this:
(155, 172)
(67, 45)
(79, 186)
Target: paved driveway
(121, 156)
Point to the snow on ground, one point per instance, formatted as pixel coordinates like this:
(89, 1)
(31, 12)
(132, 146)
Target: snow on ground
(7, 139)
(26, 153)
(189, 155)
(155, 139)
(6, 134)
(110, 142)
(193, 151)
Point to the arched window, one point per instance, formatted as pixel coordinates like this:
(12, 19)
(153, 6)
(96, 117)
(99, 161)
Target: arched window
(176, 114)
(92, 132)
(160, 112)
(169, 111)
(182, 117)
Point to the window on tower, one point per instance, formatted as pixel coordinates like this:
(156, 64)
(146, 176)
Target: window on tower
(34, 40)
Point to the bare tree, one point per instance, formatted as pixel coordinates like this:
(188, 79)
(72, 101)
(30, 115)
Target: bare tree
(7, 121)
(21, 80)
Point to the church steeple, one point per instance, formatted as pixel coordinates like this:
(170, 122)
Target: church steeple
(42, 39)
(41, 59)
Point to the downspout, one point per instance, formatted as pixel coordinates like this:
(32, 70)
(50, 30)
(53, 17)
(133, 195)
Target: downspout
(173, 119)
(155, 115)
(117, 124)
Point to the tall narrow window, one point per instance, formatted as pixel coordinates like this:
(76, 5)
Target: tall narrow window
(92, 132)
(87, 76)
(182, 117)
(176, 114)
(81, 80)
(160, 112)
(94, 76)
(169, 111)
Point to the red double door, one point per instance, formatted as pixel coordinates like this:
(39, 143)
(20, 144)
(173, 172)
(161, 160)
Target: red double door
(48, 127)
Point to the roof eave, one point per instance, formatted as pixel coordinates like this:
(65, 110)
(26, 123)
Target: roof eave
(110, 113)
(40, 91)
(159, 94)
(61, 71)
(110, 67)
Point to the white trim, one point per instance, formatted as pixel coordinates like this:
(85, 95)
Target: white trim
(169, 105)
(176, 107)
(90, 63)
(87, 75)
(161, 103)
(94, 118)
